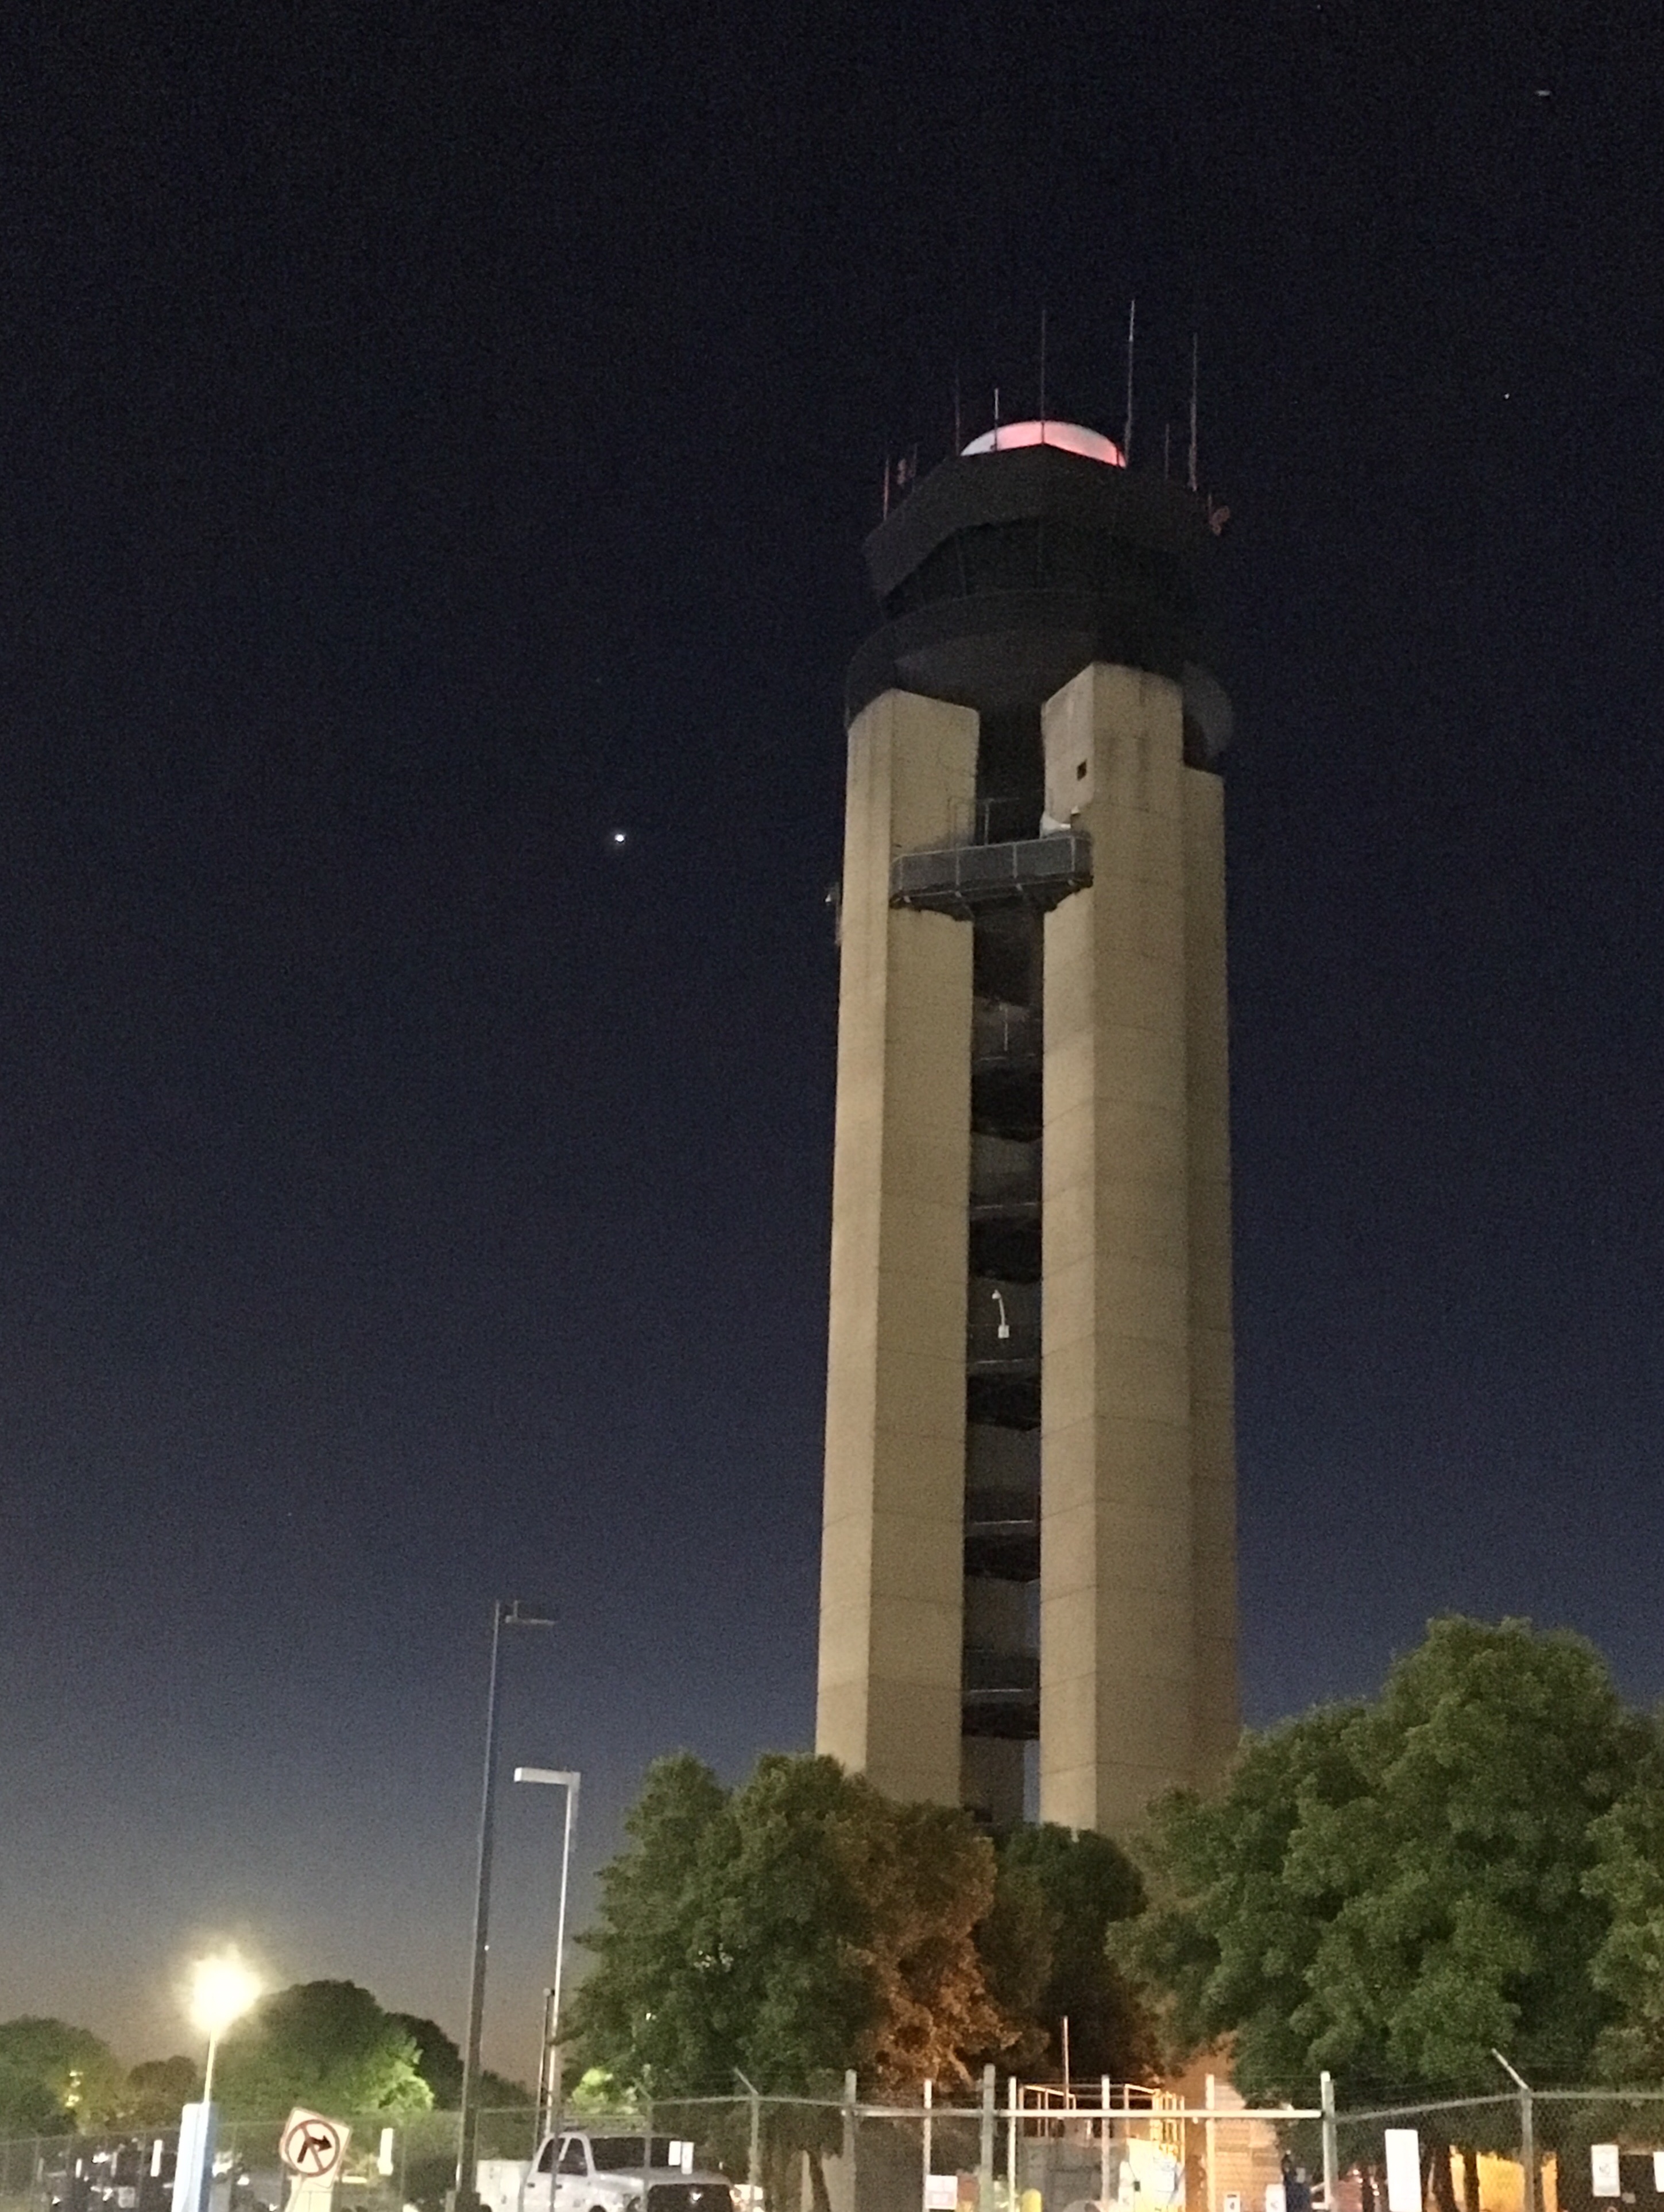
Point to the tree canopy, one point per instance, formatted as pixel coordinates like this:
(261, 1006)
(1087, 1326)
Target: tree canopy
(438, 2059)
(790, 1928)
(328, 2044)
(1390, 1889)
(1627, 1880)
(1057, 1895)
(325, 2044)
(55, 2077)
(157, 2088)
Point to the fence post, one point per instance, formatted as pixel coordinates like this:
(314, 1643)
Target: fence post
(1103, 2141)
(984, 2146)
(1527, 2133)
(754, 2143)
(849, 2135)
(925, 2146)
(1331, 2153)
(1010, 2143)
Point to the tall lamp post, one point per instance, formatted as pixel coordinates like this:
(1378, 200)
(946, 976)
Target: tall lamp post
(221, 1992)
(506, 1613)
(548, 2059)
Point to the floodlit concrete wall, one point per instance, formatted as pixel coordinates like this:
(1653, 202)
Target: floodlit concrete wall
(892, 1544)
(1212, 1414)
(1120, 1561)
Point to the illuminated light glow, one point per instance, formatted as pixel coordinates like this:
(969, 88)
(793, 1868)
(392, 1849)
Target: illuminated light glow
(1068, 437)
(221, 1990)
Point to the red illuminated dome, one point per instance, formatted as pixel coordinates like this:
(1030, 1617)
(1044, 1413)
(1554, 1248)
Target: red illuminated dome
(1068, 437)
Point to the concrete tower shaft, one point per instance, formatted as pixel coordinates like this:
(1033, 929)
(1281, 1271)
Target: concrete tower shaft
(892, 1569)
(1029, 1518)
(1138, 1610)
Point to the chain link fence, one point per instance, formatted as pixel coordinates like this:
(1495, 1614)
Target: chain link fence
(1013, 2147)
(391, 2161)
(1541, 2150)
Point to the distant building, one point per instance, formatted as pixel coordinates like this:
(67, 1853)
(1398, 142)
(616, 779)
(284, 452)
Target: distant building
(1029, 1531)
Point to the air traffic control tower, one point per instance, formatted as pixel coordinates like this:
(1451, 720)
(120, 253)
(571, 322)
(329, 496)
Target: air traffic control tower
(1029, 1532)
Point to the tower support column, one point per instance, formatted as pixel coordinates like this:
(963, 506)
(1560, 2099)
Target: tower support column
(893, 1536)
(1216, 1721)
(1118, 1539)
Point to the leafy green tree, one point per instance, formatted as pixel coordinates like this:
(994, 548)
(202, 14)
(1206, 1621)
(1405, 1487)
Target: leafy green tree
(28, 2105)
(328, 2044)
(157, 2088)
(56, 2076)
(438, 2062)
(500, 2094)
(800, 1925)
(1045, 1944)
(595, 2093)
(438, 2059)
(1389, 1889)
(1627, 1878)
(621, 2020)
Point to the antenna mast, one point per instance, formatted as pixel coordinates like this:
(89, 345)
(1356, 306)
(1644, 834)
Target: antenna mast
(1194, 355)
(1127, 434)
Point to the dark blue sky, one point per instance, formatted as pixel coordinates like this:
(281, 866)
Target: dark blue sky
(436, 435)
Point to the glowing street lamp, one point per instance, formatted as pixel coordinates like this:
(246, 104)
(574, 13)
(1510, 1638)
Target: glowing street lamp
(221, 1992)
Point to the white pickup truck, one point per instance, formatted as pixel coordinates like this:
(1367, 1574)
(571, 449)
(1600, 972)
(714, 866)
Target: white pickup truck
(580, 2172)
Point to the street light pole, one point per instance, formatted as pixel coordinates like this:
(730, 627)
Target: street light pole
(548, 2059)
(506, 1613)
(221, 1992)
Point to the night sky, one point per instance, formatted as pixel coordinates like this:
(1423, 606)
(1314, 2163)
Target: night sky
(437, 436)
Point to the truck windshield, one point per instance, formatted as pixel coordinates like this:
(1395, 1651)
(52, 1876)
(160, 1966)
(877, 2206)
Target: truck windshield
(628, 2154)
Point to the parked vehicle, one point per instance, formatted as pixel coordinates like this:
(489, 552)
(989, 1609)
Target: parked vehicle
(581, 2171)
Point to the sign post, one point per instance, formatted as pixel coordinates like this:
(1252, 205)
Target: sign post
(313, 2148)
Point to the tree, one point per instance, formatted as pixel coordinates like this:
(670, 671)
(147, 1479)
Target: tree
(792, 1929)
(499, 2094)
(1045, 1946)
(438, 2060)
(650, 1894)
(1390, 1890)
(1627, 1878)
(157, 2088)
(28, 2105)
(56, 2077)
(324, 2043)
